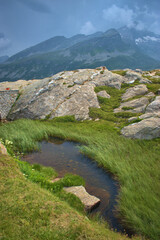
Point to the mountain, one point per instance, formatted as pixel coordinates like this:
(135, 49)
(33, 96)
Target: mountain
(3, 58)
(59, 53)
(147, 42)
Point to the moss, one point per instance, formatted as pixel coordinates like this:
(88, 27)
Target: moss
(127, 108)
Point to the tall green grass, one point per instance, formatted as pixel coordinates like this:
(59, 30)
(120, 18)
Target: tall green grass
(135, 163)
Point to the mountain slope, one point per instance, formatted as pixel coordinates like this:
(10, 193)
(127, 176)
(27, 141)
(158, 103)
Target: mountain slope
(148, 42)
(80, 51)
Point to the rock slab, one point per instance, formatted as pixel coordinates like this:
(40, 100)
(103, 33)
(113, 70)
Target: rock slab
(146, 129)
(88, 200)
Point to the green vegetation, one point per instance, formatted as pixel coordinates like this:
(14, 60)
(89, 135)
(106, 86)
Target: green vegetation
(135, 163)
(127, 108)
(33, 213)
(120, 72)
(153, 87)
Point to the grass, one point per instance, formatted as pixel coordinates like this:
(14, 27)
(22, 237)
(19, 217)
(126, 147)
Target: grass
(120, 72)
(135, 163)
(31, 212)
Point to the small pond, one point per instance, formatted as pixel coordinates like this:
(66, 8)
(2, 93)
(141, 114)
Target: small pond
(65, 157)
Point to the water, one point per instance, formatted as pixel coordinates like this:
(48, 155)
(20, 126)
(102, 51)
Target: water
(65, 157)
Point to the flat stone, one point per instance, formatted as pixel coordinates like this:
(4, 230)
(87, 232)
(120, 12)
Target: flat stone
(88, 200)
(103, 94)
(146, 129)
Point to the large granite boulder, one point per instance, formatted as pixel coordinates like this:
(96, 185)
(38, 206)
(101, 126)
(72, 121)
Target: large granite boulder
(66, 93)
(88, 200)
(146, 129)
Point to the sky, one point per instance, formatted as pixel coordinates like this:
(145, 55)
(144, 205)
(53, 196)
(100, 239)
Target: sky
(24, 23)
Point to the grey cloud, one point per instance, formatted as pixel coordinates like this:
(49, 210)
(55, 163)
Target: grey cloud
(139, 18)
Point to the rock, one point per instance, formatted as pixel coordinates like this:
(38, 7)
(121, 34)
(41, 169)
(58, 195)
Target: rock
(150, 94)
(103, 94)
(7, 99)
(132, 119)
(66, 93)
(109, 79)
(146, 129)
(149, 115)
(88, 200)
(154, 106)
(158, 92)
(136, 105)
(145, 80)
(3, 149)
(135, 91)
(133, 75)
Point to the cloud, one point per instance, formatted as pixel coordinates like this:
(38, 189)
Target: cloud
(139, 18)
(121, 16)
(36, 5)
(5, 43)
(87, 28)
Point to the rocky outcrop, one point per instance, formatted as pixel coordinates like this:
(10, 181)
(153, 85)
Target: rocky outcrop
(66, 93)
(88, 200)
(72, 93)
(146, 129)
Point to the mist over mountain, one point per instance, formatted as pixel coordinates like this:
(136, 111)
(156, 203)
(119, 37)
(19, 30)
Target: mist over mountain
(115, 49)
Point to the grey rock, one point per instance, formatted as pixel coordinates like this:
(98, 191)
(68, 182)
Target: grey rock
(158, 92)
(132, 119)
(149, 115)
(146, 129)
(103, 94)
(135, 91)
(7, 99)
(145, 80)
(154, 106)
(138, 105)
(88, 200)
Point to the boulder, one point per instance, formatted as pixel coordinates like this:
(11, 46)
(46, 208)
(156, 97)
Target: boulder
(146, 129)
(154, 106)
(135, 91)
(88, 200)
(103, 94)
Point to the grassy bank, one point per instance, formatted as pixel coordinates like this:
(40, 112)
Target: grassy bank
(134, 162)
(31, 212)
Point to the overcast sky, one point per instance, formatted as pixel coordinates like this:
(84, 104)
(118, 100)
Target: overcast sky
(24, 23)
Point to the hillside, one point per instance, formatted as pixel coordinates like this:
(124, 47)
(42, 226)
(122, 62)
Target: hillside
(59, 53)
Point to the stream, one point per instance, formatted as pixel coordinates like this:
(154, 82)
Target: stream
(65, 157)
